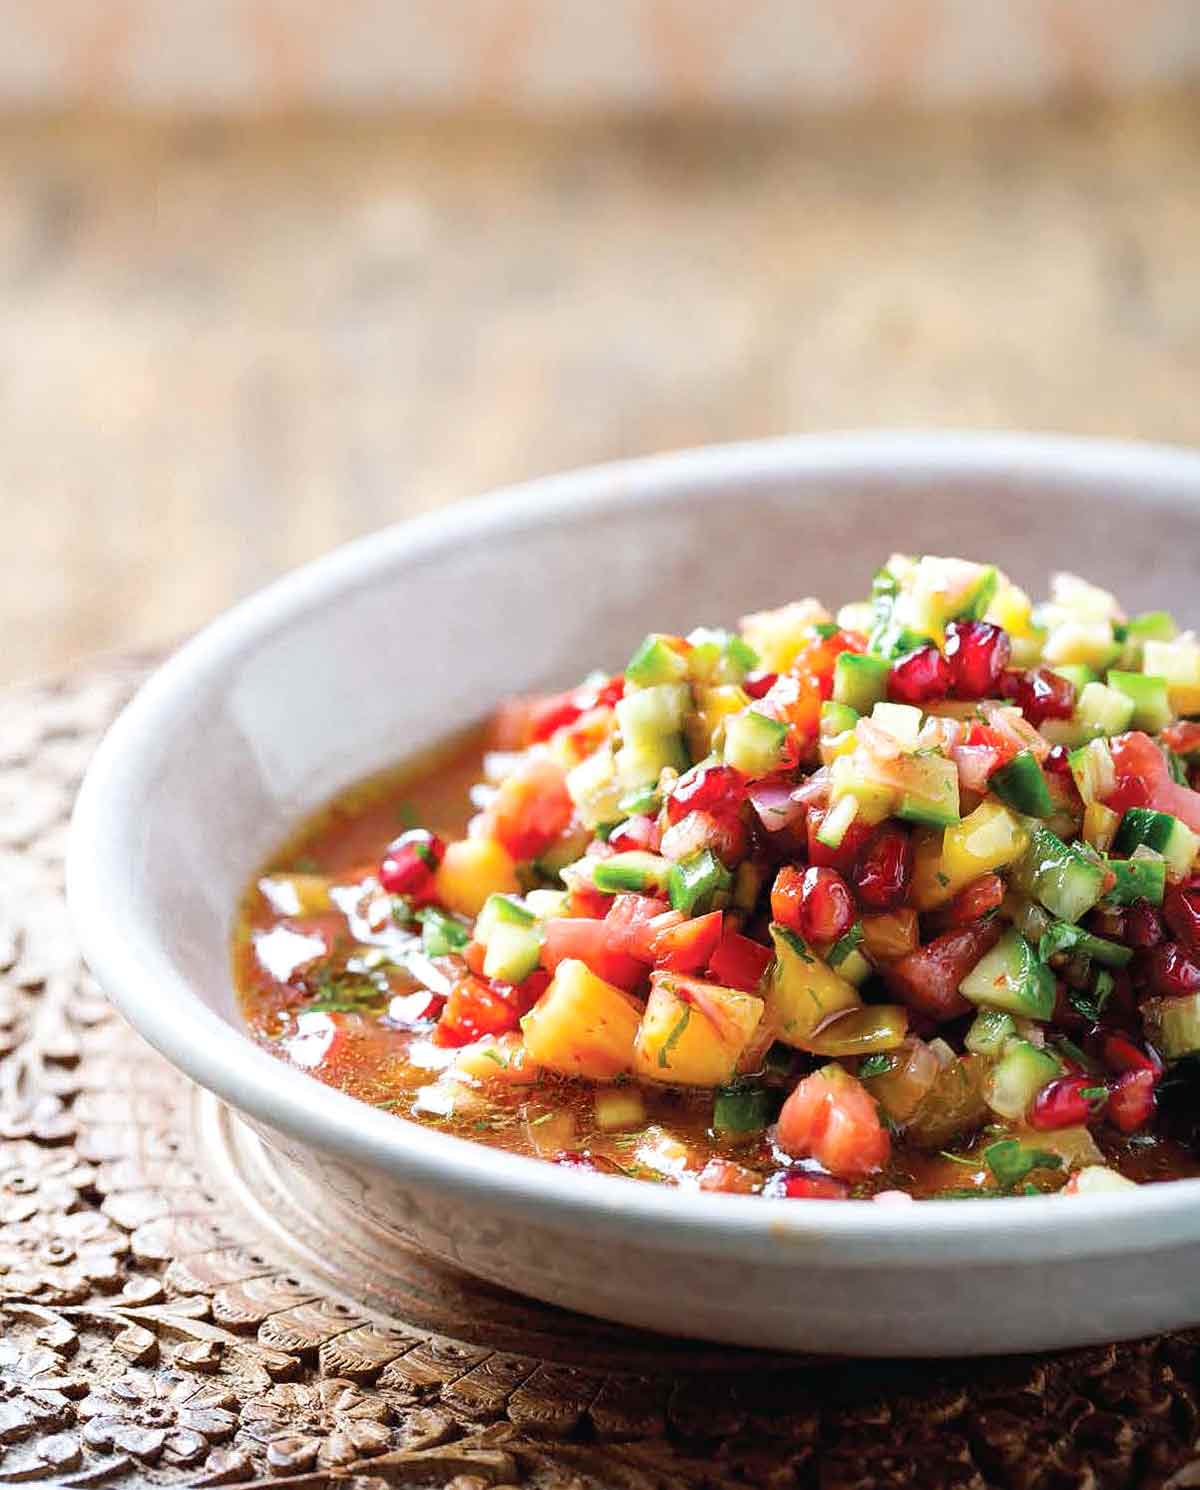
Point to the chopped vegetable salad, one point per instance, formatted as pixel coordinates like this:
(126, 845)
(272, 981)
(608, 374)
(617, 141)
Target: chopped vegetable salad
(894, 903)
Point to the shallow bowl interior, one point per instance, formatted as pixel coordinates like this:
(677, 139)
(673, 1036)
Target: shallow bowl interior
(390, 644)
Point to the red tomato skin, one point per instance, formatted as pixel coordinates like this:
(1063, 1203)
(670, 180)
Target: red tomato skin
(687, 948)
(927, 980)
(837, 1123)
(1144, 780)
(473, 1009)
(634, 921)
(591, 943)
(739, 962)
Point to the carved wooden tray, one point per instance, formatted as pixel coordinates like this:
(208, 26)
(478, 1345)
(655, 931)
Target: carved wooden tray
(173, 1315)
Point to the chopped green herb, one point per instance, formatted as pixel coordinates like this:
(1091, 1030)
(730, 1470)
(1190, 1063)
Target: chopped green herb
(407, 814)
(441, 933)
(874, 1065)
(959, 1159)
(494, 1055)
(542, 1118)
(344, 994)
(1094, 1093)
(826, 629)
(1010, 1161)
(402, 910)
(943, 879)
(673, 1038)
(844, 945)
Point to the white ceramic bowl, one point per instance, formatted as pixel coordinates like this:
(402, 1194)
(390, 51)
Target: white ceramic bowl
(388, 644)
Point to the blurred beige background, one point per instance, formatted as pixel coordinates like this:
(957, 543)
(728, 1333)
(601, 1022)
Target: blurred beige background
(233, 336)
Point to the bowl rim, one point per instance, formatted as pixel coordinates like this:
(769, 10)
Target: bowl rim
(120, 949)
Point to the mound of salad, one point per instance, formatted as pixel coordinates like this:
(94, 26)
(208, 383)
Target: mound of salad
(898, 902)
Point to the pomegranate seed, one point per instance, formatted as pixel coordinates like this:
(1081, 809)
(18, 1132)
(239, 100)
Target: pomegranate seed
(409, 862)
(797, 1184)
(885, 869)
(1131, 1101)
(706, 788)
(920, 677)
(1062, 1103)
(1123, 1055)
(826, 905)
(845, 855)
(1058, 762)
(978, 653)
(1108, 921)
(640, 832)
(1040, 694)
(1171, 972)
(1143, 925)
(1181, 907)
(758, 685)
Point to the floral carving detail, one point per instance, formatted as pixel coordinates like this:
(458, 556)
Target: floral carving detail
(326, 1424)
(164, 1416)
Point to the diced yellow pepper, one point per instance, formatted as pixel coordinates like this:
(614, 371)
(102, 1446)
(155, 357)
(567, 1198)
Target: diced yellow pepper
(988, 839)
(581, 1025)
(473, 869)
(693, 1032)
(713, 707)
(1179, 662)
(862, 1031)
(803, 991)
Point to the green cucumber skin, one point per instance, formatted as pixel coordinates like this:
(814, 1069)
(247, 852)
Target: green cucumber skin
(692, 883)
(631, 871)
(1138, 879)
(1021, 785)
(1063, 937)
(1010, 977)
(1066, 883)
(860, 680)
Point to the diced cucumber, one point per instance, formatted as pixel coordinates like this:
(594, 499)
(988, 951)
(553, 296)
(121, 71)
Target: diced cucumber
(1179, 662)
(875, 800)
(654, 711)
(1017, 1077)
(836, 821)
(547, 903)
(1089, 642)
(860, 680)
(692, 883)
(901, 721)
(594, 788)
(501, 910)
(619, 1107)
(1151, 705)
(641, 761)
(1060, 936)
(1021, 785)
(642, 801)
(1077, 674)
(743, 1107)
(928, 790)
(1173, 839)
(1010, 977)
(441, 933)
(855, 968)
(1173, 1025)
(1152, 626)
(837, 719)
(512, 952)
(1064, 879)
(632, 870)
(754, 744)
(1139, 878)
(1092, 767)
(990, 1031)
(719, 656)
(1104, 710)
(656, 661)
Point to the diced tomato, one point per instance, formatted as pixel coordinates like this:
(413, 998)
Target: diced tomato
(1183, 737)
(1144, 780)
(591, 942)
(586, 900)
(834, 1120)
(634, 921)
(530, 808)
(927, 980)
(473, 954)
(473, 1010)
(739, 962)
(724, 1177)
(798, 1184)
(688, 947)
(842, 858)
(522, 996)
